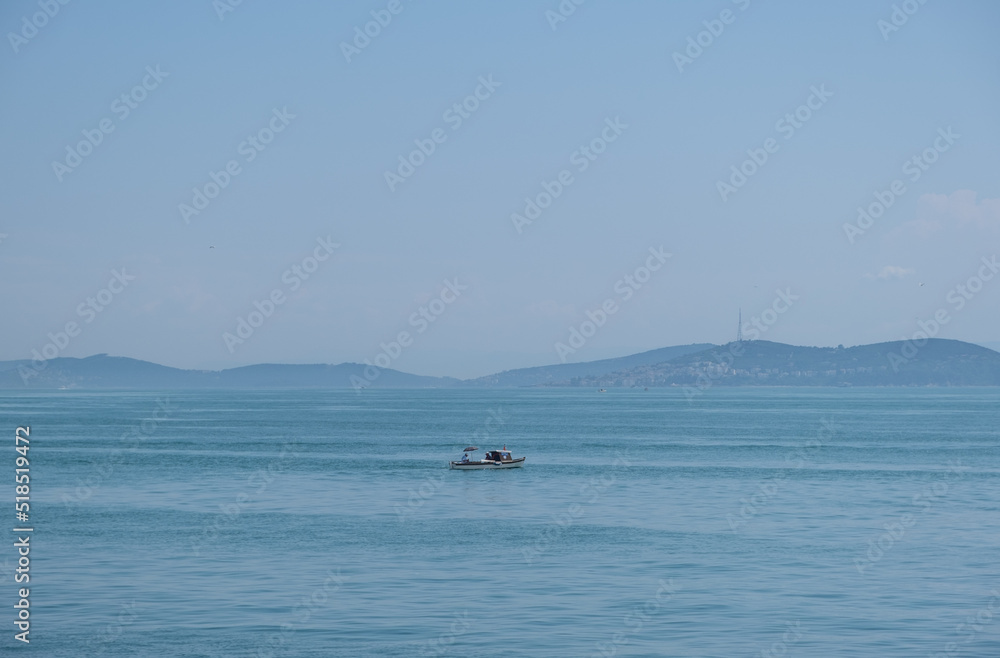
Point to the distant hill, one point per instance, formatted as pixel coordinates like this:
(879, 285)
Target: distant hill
(103, 371)
(939, 362)
(760, 363)
(995, 345)
(564, 372)
(7, 365)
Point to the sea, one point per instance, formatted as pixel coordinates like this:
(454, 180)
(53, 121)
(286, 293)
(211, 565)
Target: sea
(665, 522)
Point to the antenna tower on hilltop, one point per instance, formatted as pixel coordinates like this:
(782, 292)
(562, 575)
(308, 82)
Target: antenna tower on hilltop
(739, 328)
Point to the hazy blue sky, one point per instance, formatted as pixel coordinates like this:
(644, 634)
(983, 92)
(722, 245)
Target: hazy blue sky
(545, 89)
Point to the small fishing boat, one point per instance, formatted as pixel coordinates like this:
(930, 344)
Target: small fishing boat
(493, 459)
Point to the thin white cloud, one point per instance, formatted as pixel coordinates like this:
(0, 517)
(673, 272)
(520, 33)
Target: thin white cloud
(891, 272)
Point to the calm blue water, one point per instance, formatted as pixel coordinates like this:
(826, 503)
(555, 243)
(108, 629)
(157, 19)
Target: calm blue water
(799, 522)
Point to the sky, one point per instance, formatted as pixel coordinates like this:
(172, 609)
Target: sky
(472, 187)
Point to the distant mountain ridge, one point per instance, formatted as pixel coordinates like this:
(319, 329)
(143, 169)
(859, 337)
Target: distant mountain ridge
(103, 371)
(564, 372)
(938, 362)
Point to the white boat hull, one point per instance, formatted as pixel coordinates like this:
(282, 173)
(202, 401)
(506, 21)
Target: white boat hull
(484, 464)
